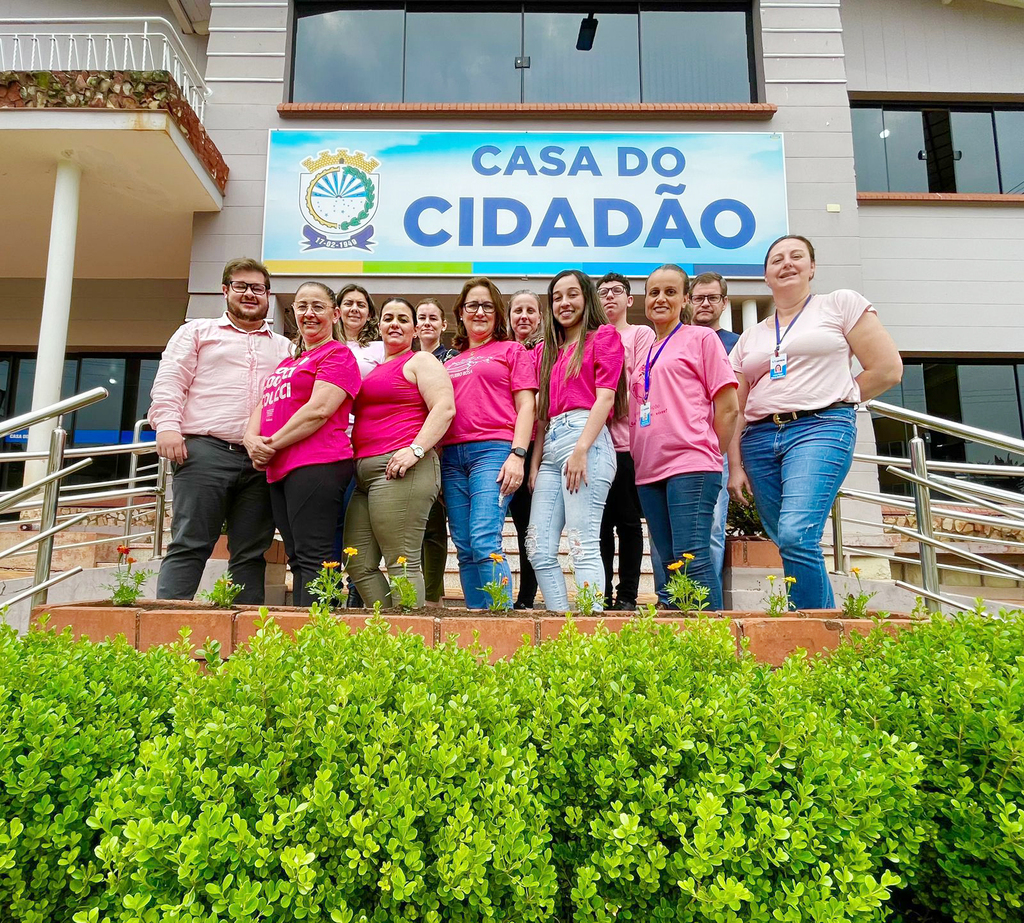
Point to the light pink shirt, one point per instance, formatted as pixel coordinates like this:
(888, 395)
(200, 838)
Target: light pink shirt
(211, 376)
(368, 357)
(819, 359)
(687, 375)
(635, 340)
(289, 387)
(485, 380)
(602, 364)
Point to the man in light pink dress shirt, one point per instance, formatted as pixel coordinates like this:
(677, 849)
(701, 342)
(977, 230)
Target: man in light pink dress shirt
(208, 384)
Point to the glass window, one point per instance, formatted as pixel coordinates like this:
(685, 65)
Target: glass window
(462, 57)
(988, 400)
(974, 152)
(100, 423)
(694, 56)
(904, 141)
(558, 73)
(1010, 137)
(349, 55)
(147, 375)
(869, 150)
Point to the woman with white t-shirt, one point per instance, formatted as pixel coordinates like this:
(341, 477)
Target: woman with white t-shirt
(682, 415)
(799, 399)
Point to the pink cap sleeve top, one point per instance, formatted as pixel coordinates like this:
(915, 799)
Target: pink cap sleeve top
(687, 375)
(485, 380)
(289, 388)
(389, 410)
(603, 357)
(819, 361)
(635, 340)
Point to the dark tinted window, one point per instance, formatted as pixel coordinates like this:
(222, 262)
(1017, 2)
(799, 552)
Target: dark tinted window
(1010, 137)
(974, 152)
(869, 149)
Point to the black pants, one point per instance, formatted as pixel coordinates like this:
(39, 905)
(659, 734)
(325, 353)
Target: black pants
(519, 507)
(217, 483)
(622, 514)
(307, 503)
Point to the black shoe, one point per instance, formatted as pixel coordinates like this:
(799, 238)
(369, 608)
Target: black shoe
(522, 606)
(623, 605)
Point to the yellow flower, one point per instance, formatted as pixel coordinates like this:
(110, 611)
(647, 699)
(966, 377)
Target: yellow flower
(771, 578)
(401, 560)
(330, 565)
(791, 580)
(351, 552)
(687, 557)
(675, 566)
(855, 571)
(497, 558)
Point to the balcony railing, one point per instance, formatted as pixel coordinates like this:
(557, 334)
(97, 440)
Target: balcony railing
(102, 44)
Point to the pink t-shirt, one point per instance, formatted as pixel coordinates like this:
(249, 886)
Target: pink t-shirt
(485, 380)
(389, 410)
(819, 362)
(289, 387)
(685, 378)
(603, 356)
(635, 340)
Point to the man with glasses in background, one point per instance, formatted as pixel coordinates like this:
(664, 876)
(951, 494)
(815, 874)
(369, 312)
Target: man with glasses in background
(709, 298)
(208, 384)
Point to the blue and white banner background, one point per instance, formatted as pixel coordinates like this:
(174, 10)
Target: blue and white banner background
(521, 203)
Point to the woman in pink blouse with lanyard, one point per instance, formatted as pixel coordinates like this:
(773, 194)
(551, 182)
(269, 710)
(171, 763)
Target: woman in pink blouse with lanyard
(799, 398)
(581, 387)
(682, 414)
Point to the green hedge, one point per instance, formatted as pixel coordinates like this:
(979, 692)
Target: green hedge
(644, 776)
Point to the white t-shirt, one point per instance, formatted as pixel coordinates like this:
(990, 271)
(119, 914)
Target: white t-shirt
(819, 361)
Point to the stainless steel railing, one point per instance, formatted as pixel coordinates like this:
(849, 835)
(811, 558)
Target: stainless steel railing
(143, 481)
(1004, 509)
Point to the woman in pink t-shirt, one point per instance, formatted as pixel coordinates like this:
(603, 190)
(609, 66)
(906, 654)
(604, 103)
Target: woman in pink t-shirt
(799, 398)
(482, 466)
(297, 435)
(682, 414)
(582, 386)
(404, 408)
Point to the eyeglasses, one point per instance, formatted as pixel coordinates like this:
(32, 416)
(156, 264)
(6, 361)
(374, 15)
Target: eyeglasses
(257, 288)
(710, 299)
(471, 307)
(611, 290)
(317, 307)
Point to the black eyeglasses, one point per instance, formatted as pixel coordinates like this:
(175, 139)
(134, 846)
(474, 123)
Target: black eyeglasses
(710, 299)
(257, 288)
(607, 290)
(471, 307)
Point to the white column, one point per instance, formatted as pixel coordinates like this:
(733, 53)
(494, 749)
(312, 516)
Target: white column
(725, 321)
(53, 328)
(749, 309)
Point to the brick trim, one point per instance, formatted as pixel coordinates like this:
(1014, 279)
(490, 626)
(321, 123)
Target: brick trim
(732, 111)
(936, 198)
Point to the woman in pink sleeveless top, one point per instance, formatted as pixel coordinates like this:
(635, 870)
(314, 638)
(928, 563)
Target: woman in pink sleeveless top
(404, 408)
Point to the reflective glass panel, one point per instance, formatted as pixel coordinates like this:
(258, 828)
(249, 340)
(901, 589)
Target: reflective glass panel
(974, 152)
(904, 142)
(147, 374)
(462, 58)
(1010, 138)
(869, 150)
(100, 423)
(558, 73)
(349, 56)
(988, 400)
(693, 56)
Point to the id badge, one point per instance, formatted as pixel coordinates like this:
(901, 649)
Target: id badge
(777, 368)
(645, 414)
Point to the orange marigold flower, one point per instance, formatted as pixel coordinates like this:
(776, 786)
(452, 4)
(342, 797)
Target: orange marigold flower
(131, 560)
(687, 556)
(123, 549)
(402, 559)
(497, 558)
(504, 581)
(675, 566)
(330, 565)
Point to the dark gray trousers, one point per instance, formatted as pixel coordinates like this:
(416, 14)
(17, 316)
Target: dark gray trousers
(217, 483)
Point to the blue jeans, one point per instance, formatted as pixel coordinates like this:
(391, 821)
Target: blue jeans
(476, 514)
(678, 511)
(795, 471)
(718, 524)
(580, 513)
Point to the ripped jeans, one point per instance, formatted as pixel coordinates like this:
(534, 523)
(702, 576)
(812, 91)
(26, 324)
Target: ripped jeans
(580, 513)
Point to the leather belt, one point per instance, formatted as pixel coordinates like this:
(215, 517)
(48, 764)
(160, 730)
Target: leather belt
(780, 419)
(233, 446)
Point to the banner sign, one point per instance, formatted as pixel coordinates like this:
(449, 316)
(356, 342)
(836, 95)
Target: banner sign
(505, 203)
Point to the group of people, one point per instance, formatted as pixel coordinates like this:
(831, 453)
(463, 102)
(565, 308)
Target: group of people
(368, 433)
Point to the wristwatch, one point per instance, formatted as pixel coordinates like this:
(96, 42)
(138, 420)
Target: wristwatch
(417, 450)
(519, 453)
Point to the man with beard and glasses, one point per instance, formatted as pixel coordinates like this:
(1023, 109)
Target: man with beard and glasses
(209, 382)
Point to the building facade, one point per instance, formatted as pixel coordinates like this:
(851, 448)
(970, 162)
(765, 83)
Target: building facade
(898, 128)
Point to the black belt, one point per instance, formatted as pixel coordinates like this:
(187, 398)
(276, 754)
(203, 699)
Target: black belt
(233, 446)
(790, 415)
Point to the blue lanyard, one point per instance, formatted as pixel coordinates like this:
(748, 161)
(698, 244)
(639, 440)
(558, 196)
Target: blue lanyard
(650, 363)
(789, 326)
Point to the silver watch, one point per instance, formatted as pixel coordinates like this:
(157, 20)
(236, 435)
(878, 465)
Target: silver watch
(417, 450)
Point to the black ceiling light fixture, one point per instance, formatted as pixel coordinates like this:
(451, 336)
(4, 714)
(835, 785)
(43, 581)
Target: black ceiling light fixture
(588, 29)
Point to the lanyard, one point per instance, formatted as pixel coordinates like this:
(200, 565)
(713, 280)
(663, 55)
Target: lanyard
(650, 362)
(789, 326)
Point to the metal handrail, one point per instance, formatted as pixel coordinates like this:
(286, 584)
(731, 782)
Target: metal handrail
(950, 428)
(48, 413)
